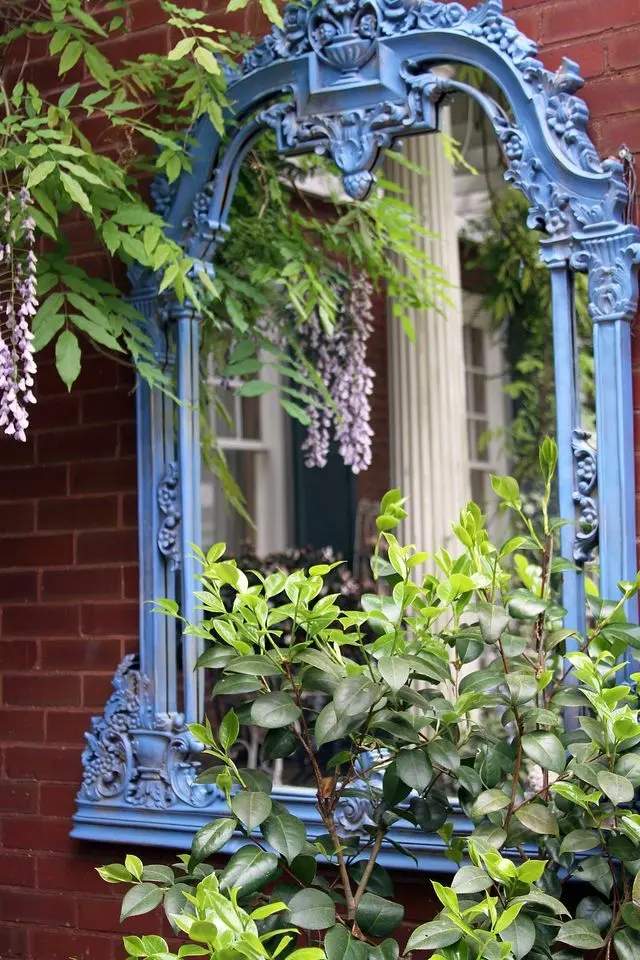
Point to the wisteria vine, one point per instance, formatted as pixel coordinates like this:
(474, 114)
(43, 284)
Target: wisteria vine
(18, 290)
(340, 359)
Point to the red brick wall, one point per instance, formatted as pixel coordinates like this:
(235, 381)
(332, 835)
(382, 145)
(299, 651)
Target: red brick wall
(68, 551)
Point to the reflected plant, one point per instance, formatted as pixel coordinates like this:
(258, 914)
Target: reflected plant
(548, 796)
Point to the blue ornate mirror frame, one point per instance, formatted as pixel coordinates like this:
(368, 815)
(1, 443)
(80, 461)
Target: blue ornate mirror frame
(347, 78)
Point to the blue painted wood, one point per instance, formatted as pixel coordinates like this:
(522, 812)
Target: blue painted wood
(291, 84)
(567, 420)
(189, 457)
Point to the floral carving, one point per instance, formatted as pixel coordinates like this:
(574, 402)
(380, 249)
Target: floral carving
(169, 505)
(353, 139)
(586, 539)
(138, 757)
(342, 32)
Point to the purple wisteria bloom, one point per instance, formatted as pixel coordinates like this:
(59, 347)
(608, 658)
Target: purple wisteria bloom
(340, 360)
(18, 305)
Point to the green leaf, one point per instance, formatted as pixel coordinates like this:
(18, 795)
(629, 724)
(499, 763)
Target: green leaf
(279, 744)
(182, 48)
(578, 841)
(340, 945)
(312, 909)
(207, 60)
(490, 801)
(524, 605)
(251, 808)
(434, 935)
(471, 880)
(134, 865)
(212, 837)
(378, 917)
(546, 750)
(141, 898)
(444, 754)
(76, 192)
(40, 173)
(493, 621)
(394, 671)
(618, 789)
(627, 944)
(355, 696)
(538, 819)
(158, 873)
(68, 358)
(229, 730)
(175, 902)
(274, 710)
(285, 833)
(521, 934)
(255, 666)
(70, 56)
(249, 869)
(48, 321)
(582, 934)
(414, 769)
(114, 873)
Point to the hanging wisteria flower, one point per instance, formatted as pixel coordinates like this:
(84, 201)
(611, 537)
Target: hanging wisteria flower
(340, 360)
(18, 306)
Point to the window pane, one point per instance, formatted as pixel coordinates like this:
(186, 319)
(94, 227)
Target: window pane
(250, 407)
(219, 519)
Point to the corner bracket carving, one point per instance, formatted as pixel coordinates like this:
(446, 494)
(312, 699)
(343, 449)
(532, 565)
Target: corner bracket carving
(139, 758)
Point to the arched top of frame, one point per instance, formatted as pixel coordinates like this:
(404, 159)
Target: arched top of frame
(347, 78)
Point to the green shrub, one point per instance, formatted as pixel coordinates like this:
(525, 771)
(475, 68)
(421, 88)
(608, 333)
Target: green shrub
(451, 692)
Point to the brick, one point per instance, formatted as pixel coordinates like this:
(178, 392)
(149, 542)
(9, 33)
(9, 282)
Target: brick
(131, 582)
(18, 797)
(582, 17)
(614, 131)
(81, 583)
(61, 945)
(66, 874)
(17, 517)
(589, 56)
(110, 619)
(18, 871)
(116, 546)
(64, 726)
(613, 95)
(37, 834)
(38, 551)
(82, 654)
(22, 725)
(115, 476)
(18, 587)
(31, 907)
(14, 944)
(44, 620)
(16, 655)
(96, 690)
(37, 482)
(82, 443)
(14, 454)
(56, 412)
(78, 513)
(129, 510)
(99, 914)
(40, 762)
(50, 690)
(108, 406)
(127, 439)
(58, 799)
(623, 50)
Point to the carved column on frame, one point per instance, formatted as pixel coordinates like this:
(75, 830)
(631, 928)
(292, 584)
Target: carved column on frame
(429, 457)
(156, 451)
(611, 260)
